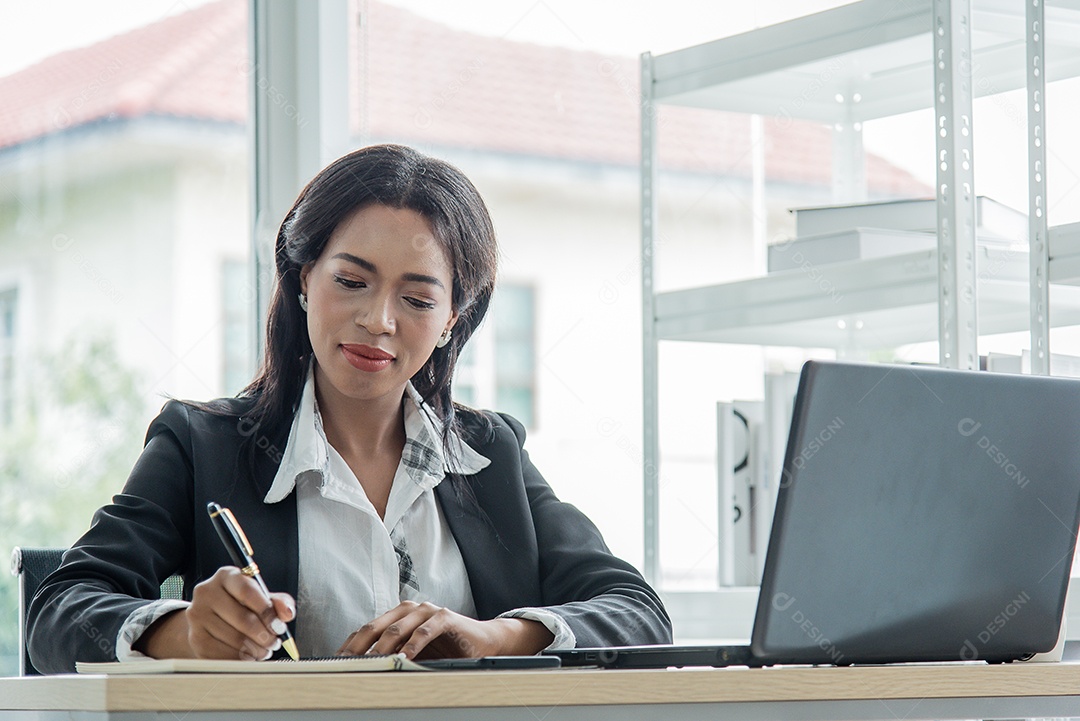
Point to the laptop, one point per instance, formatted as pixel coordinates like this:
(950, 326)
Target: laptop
(922, 515)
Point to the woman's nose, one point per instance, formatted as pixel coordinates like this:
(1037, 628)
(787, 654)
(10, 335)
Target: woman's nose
(376, 316)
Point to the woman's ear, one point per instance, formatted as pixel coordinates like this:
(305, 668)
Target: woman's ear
(452, 322)
(303, 278)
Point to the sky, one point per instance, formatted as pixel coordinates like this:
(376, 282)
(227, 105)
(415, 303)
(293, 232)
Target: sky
(30, 31)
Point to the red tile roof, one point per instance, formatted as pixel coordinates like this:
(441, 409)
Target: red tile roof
(426, 84)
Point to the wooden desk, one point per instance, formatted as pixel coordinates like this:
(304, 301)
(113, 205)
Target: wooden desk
(889, 693)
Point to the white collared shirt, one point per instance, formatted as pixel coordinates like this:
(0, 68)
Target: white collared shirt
(353, 565)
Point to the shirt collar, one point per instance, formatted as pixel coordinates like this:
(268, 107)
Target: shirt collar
(423, 457)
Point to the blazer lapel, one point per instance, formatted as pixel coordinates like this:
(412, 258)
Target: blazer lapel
(280, 524)
(488, 561)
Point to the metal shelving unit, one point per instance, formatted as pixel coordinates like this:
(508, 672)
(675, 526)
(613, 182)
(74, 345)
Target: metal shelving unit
(858, 62)
(877, 303)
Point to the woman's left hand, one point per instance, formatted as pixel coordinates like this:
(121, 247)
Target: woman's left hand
(424, 630)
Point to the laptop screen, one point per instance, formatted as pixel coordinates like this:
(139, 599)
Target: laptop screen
(922, 514)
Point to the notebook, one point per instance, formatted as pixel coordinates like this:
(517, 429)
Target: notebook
(344, 664)
(352, 664)
(923, 514)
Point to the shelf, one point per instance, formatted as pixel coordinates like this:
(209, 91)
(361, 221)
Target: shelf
(1065, 254)
(867, 60)
(879, 49)
(878, 303)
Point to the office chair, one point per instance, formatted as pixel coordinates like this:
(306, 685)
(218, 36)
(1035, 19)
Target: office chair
(32, 565)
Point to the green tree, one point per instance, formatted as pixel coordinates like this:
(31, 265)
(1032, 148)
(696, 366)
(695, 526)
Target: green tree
(68, 455)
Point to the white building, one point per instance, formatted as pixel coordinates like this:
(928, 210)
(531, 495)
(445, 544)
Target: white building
(124, 207)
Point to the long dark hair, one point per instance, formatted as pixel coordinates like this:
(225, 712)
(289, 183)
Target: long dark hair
(398, 177)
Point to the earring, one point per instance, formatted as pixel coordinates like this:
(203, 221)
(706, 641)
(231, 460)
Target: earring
(443, 339)
(303, 302)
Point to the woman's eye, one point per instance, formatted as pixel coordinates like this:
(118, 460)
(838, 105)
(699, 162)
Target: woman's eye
(346, 283)
(419, 304)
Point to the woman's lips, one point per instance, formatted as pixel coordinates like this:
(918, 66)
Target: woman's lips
(366, 358)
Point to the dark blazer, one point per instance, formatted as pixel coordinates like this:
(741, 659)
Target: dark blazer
(521, 545)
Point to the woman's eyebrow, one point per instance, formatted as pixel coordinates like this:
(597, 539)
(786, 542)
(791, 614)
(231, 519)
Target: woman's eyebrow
(366, 265)
(370, 267)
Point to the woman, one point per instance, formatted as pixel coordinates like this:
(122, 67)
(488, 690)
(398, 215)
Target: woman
(385, 517)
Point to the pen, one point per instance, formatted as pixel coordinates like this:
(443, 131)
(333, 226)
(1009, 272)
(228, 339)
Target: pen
(241, 553)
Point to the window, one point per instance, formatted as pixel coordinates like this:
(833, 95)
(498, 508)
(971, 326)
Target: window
(515, 352)
(497, 370)
(8, 300)
(237, 293)
(124, 187)
(465, 375)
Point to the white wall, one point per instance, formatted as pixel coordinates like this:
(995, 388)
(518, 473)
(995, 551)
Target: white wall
(128, 242)
(211, 225)
(92, 265)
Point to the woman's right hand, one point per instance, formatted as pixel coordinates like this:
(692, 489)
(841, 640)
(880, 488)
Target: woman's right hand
(229, 618)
